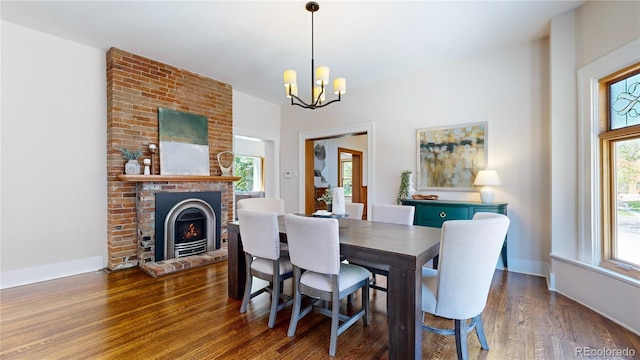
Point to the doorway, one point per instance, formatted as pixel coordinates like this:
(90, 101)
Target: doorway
(356, 146)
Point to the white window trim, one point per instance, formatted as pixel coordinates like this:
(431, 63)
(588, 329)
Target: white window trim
(589, 205)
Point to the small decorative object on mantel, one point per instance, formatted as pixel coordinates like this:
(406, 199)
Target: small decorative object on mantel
(406, 186)
(132, 167)
(146, 163)
(225, 160)
(152, 151)
(327, 197)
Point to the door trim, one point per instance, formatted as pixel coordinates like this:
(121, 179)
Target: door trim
(368, 128)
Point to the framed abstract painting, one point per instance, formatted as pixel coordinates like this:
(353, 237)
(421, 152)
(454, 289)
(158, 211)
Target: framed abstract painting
(450, 157)
(184, 143)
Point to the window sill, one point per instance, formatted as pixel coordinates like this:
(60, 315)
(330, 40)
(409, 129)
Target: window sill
(613, 265)
(600, 269)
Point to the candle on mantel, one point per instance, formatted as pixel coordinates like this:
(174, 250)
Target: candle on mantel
(152, 150)
(146, 163)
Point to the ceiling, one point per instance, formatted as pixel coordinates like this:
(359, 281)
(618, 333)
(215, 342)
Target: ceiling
(248, 44)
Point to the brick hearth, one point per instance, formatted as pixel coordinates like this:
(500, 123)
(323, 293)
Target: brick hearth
(136, 87)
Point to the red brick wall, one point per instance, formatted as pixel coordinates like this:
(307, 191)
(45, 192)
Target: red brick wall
(136, 87)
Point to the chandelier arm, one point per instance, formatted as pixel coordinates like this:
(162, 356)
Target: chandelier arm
(301, 102)
(304, 105)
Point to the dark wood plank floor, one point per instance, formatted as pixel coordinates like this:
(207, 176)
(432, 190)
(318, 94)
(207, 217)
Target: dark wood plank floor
(128, 314)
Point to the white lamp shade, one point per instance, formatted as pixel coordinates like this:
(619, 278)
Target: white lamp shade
(487, 177)
(290, 77)
(340, 86)
(322, 75)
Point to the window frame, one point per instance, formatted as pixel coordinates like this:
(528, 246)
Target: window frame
(341, 175)
(607, 141)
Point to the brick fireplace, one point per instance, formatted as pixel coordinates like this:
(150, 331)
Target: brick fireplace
(136, 88)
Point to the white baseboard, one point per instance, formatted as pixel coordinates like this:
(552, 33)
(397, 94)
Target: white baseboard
(529, 267)
(13, 278)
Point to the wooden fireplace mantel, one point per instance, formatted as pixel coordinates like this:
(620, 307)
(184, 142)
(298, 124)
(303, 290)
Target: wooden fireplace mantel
(162, 178)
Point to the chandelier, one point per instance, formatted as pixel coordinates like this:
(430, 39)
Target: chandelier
(321, 79)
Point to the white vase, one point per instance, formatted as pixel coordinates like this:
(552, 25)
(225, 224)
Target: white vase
(412, 189)
(132, 167)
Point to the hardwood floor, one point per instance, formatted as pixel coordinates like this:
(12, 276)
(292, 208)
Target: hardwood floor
(128, 314)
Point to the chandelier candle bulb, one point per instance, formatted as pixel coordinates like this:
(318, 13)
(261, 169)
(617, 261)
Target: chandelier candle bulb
(322, 75)
(290, 78)
(291, 90)
(340, 86)
(317, 91)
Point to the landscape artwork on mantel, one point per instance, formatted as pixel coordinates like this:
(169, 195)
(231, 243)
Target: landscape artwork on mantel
(449, 158)
(184, 143)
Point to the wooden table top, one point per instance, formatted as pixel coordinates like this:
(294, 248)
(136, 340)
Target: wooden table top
(406, 246)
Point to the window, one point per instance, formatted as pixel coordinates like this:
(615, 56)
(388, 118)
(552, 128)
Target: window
(620, 177)
(249, 169)
(345, 176)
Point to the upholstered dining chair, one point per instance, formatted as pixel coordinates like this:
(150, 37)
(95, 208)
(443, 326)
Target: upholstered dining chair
(396, 214)
(260, 236)
(458, 290)
(355, 210)
(265, 204)
(315, 248)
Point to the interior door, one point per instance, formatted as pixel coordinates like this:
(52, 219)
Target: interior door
(356, 174)
(359, 191)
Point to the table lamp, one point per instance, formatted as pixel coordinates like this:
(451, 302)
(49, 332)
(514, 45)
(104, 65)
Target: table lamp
(487, 178)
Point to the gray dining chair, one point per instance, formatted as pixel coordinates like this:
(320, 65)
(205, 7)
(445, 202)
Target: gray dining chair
(275, 205)
(260, 236)
(458, 289)
(396, 214)
(314, 247)
(355, 210)
(263, 204)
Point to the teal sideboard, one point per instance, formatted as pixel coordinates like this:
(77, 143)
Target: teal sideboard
(434, 212)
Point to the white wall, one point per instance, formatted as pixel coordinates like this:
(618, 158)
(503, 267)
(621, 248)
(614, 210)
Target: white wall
(54, 176)
(53, 145)
(507, 88)
(599, 30)
(260, 119)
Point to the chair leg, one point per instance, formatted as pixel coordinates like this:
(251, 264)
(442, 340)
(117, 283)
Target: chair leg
(335, 322)
(365, 303)
(275, 300)
(461, 339)
(480, 332)
(295, 312)
(247, 286)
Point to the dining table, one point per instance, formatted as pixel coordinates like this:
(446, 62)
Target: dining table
(405, 248)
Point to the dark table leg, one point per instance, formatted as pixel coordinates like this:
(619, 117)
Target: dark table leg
(236, 265)
(504, 253)
(405, 313)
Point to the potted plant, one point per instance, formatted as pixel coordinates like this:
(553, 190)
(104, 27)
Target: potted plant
(405, 186)
(132, 167)
(327, 197)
